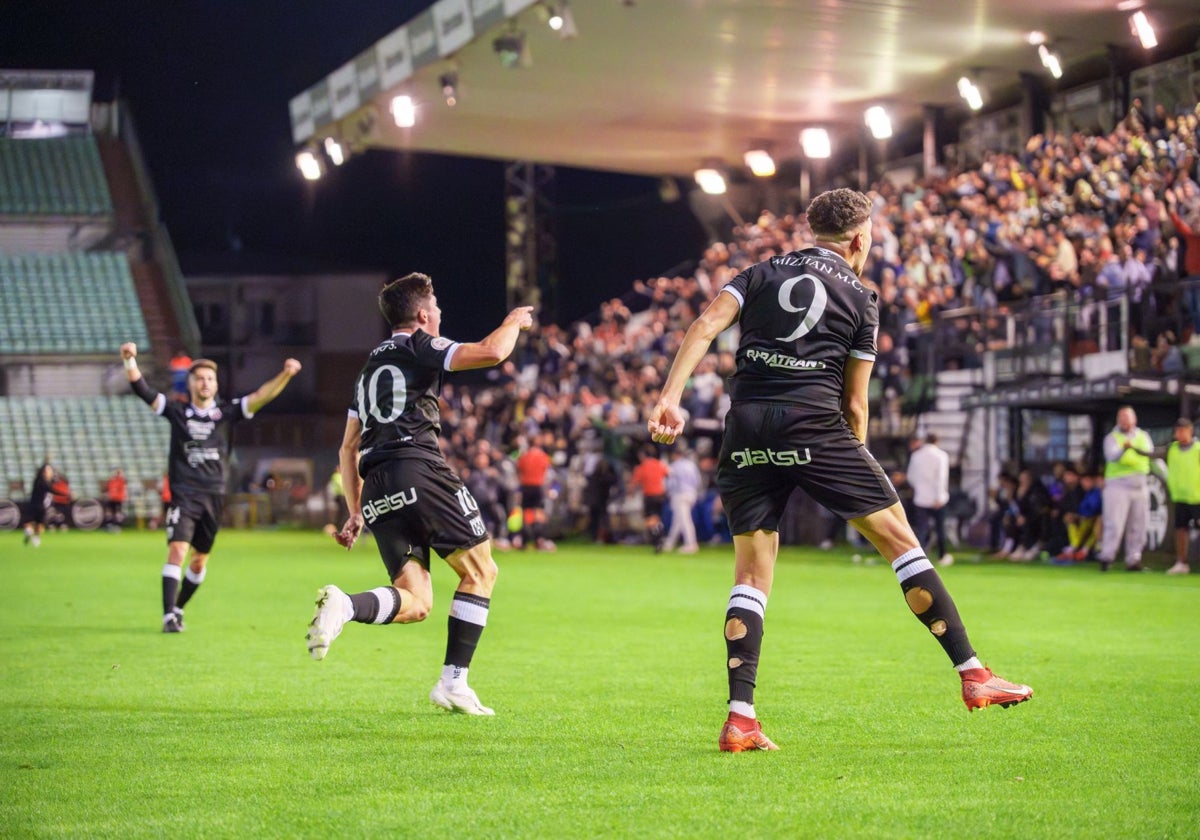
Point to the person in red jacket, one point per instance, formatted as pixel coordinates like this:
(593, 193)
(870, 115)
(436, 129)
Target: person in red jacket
(532, 466)
(116, 492)
(1189, 235)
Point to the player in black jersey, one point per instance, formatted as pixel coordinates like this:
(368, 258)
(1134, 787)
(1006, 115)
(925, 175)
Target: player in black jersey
(197, 468)
(798, 418)
(397, 482)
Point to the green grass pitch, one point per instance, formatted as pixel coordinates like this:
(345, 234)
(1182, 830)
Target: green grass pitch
(606, 670)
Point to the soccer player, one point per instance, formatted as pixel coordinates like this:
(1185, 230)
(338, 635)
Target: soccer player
(397, 481)
(799, 418)
(198, 468)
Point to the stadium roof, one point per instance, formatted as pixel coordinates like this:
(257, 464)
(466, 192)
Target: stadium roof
(661, 86)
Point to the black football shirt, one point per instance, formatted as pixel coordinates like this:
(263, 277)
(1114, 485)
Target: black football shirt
(802, 315)
(396, 398)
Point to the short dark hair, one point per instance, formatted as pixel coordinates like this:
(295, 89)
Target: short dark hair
(402, 298)
(835, 212)
(1183, 423)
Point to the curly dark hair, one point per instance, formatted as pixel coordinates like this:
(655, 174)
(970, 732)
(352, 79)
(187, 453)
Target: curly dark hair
(402, 298)
(835, 212)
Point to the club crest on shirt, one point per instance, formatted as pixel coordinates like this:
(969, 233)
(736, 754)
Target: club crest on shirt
(440, 343)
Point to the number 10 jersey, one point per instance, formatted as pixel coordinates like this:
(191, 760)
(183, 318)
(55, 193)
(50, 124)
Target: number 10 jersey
(396, 399)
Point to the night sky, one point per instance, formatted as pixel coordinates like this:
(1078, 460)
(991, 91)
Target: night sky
(209, 84)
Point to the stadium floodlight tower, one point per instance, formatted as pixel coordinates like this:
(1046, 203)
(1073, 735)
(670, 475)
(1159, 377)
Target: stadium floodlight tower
(530, 246)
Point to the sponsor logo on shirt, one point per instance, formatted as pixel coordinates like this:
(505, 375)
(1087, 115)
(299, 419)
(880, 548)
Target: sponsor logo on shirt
(782, 458)
(783, 361)
(375, 508)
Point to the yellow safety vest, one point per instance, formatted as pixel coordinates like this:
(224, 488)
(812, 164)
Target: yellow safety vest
(1130, 462)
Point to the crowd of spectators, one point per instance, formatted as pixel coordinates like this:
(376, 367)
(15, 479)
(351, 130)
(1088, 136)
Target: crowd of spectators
(1082, 219)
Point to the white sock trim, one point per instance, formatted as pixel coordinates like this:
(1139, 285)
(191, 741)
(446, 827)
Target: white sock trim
(748, 598)
(911, 562)
(452, 674)
(387, 597)
(970, 665)
(739, 707)
(469, 611)
(196, 577)
(172, 571)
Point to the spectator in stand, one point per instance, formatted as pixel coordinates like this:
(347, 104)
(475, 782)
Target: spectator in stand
(1127, 454)
(40, 499)
(929, 474)
(1033, 506)
(650, 477)
(116, 493)
(1188, 231)
(1183, 485)
(533, 465)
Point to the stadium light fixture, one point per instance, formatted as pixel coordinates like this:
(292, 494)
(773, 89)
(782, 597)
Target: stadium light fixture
(309, 165)
(404, 111)
(1050, 61)
(1143, 30)
(710, 180)
(816, 144)
(760, 162)
(1036, 38)
(512, 49)
(879, 122)
(971, 93)
(449, 83)
(334, 151)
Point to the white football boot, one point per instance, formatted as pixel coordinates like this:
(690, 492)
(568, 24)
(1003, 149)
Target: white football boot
(458, 698)
(333, 610)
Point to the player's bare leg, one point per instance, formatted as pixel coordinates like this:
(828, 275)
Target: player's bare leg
(407, 601)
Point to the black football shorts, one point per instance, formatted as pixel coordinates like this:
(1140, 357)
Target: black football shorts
(771, 448)
(412, 505)
(194, 518)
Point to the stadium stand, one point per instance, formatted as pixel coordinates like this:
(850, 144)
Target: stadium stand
(84, 266)
(68, 304)
(84, 438)
(57, 176)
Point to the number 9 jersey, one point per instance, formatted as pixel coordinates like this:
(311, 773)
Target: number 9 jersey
(802, 314)
(396, 398)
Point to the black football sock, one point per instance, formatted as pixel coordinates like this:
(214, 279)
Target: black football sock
(927, 597)
(170, 586)
(468, 617)
(743, 640)
(191, 582)
(379, 606)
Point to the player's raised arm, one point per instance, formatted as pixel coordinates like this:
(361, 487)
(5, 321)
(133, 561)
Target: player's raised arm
(273, 387)
(498, 345)
(137, 382)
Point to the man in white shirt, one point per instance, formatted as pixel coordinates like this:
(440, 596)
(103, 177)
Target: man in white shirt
(929, 476)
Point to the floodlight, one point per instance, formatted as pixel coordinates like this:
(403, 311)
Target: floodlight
(404, 111)
(334, 151)
(1140, 24)
(879, 122)
(1050, 61)
(710, 181)
(971, 93)
(760, 162)
(815, 142)
(309, 165)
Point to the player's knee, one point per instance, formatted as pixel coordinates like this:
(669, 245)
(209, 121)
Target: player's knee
(199, 561)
